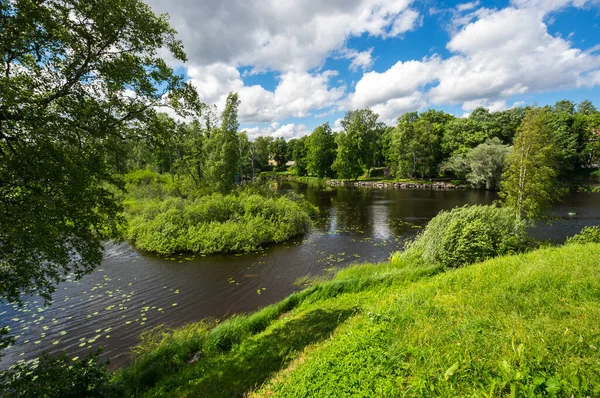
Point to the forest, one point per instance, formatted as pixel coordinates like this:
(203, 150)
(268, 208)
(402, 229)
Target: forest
(430, 144)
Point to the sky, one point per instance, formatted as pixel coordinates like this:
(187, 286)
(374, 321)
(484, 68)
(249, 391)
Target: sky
(297, 64)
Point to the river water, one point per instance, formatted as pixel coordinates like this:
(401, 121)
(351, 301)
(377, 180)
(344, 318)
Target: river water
(133, 291)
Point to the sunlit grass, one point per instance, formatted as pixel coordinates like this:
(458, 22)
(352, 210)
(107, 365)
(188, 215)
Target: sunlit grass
(521, 325)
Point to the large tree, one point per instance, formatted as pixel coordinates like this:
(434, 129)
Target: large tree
(529, 182)
(297, 151)
(321, 151)
(260, 151)
(357, 144)
(414, 148)
(222, 149)
(278, 152)
(77, 78)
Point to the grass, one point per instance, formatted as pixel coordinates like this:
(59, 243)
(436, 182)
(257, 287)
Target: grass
(523, 325)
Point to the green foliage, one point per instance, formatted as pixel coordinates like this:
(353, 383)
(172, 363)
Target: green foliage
(486, 162)
(218, 223)
(529, 183)
(59, 376)
(461, 135)
(278, 151)
(63, 110)
(491, 329)
(222, 150)
(347, 162)
(587, 235)
(414, 148)
(466, 235)
(482, 166)
(262, 147)
(358, 144)
(321, 151)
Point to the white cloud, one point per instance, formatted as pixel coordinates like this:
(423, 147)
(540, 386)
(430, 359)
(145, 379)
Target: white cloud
(337, 126)
(359, 59)
(467, 6)
(498, 55)
(493, 106)
(401, 80)
(297, 93)
(275, 130)
(405, 22)
(280, 35)
(390, 110)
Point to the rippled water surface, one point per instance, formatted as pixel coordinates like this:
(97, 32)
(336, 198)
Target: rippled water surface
(132, 291)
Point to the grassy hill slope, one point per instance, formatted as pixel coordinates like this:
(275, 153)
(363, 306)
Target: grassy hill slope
(524, 325)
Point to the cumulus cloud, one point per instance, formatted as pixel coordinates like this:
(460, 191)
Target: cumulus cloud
(401, 80)
(275, 130)
(494, 55)
(280, 35)
(390, 110)
(497, 54)
(359, 59)
(297, 93)
(337, 126)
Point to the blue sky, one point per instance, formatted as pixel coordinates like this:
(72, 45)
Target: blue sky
(298, 64)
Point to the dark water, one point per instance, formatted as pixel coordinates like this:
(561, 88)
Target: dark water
(132, 292)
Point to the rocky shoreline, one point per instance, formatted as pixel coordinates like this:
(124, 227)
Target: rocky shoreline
(436, 185)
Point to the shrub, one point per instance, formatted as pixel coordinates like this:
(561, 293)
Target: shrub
(218, 223)
(58, 376)
(466, 235)
(587, 235)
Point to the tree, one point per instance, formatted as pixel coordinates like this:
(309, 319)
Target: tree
(297, 151)
(560, 120)
(347, 162)
(486, 163)
(278, 150)
(262, 146)
(529, 183)
(77, 77)
(586, 107)
(223, 152)
(461, 135)
(415, 145)
(321, 151)
(357, 145)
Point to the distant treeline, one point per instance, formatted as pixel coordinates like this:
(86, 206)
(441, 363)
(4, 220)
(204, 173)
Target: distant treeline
(421, 145)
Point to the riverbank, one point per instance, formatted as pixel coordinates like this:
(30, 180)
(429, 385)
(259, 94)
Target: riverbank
(439, 185)
(523, 324)
(573, 186)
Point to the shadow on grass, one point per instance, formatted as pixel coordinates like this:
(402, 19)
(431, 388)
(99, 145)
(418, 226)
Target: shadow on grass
(256, 359)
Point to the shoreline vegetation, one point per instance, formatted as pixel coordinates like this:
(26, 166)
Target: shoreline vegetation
(421, 324)
(583, 184)
(234, 223)
(160, 219)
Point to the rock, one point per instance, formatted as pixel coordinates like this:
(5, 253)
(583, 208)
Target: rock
(195, 358)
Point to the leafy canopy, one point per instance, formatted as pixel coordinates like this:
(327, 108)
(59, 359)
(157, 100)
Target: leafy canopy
(77, 79)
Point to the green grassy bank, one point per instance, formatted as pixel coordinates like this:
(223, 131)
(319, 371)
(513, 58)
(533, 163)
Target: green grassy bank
(522, 325)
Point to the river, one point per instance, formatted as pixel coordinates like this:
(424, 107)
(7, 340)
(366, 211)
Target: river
(133, 291)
